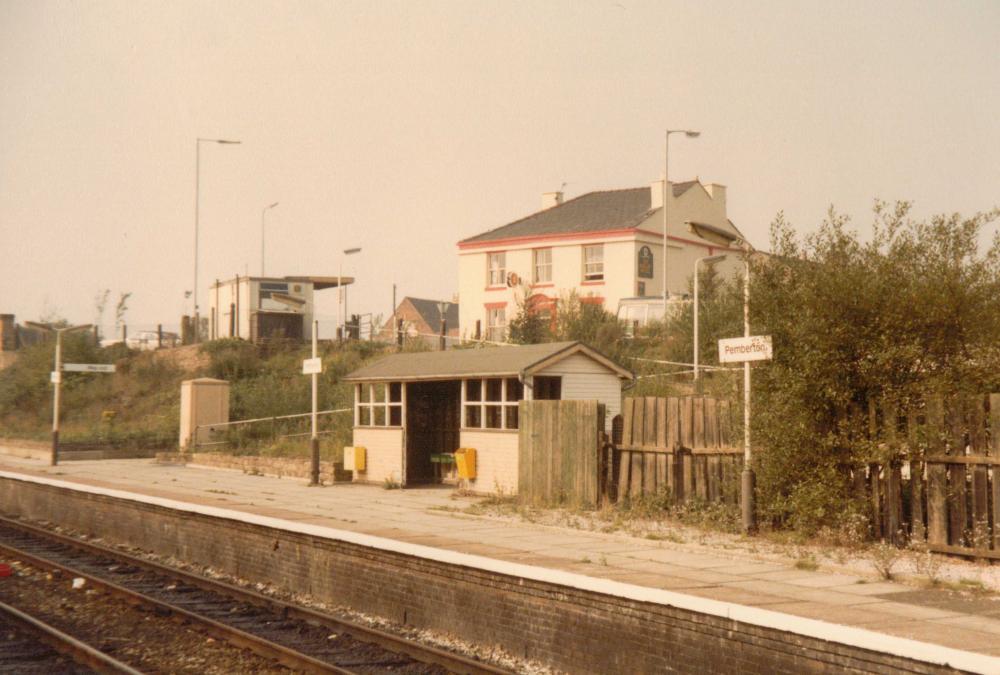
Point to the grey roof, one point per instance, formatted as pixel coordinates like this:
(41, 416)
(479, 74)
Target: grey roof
(428, 310)
(591, 212)
(455, 363)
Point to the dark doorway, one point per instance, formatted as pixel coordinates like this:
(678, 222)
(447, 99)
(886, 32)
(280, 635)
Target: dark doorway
(432, 428)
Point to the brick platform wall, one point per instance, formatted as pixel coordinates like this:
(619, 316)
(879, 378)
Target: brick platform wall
(570, 629)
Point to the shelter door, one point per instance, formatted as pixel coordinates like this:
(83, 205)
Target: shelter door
(432, 426)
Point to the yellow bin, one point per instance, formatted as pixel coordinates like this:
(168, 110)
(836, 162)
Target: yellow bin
(354, 458)
(465, 459)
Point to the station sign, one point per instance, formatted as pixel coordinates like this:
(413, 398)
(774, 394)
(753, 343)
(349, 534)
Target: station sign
(88, 367)
(312, 366)
(738, 350)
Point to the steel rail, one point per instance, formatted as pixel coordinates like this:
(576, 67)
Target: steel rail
(454, 663)
(260, 646)
(65, 644)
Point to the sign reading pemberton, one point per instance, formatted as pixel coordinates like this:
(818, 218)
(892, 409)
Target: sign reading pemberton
(752, 348)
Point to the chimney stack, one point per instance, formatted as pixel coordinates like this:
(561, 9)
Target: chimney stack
(550, 199)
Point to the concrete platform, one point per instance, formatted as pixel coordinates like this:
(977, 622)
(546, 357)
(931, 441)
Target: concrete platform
(840, 608)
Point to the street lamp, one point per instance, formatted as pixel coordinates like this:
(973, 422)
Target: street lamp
(708, 259)
(56, 378)
(197, 203)
(342, 294)
(263, 212)
(666, 189)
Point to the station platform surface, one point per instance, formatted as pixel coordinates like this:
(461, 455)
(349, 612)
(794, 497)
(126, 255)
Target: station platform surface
(431, 517)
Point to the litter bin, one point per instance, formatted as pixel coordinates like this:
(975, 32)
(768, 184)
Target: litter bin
(465, 459)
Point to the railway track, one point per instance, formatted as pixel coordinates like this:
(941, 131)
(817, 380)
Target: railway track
(30, 646)
(296, 637)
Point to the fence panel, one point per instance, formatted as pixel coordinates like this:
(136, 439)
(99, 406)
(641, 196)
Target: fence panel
(560, 451)
(678, 445)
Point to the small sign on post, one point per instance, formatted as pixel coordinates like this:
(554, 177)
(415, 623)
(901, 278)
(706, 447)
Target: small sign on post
(55, 377)
(88, 367)
(313, 366)
(752, 348)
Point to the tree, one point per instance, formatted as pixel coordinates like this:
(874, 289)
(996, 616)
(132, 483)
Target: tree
(910, 312)
(529, 325)
(100, 304)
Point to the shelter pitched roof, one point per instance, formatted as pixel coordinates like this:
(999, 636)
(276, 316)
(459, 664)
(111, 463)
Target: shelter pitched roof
(485, 362)
(590, 212)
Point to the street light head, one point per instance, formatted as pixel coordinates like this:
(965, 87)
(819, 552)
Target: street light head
(222, 141)
(692, 134)
(271, 206)
(350, 251)
(714, 258)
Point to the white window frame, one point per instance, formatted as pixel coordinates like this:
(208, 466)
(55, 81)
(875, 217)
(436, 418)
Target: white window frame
(385, 404)
(496, 269)
(542, 268)
(496, 323)
(593, 262)
(507, 421)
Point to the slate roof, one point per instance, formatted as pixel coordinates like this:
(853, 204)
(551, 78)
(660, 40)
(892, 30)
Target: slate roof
(428, 311)
(591, 212)
(456, 363)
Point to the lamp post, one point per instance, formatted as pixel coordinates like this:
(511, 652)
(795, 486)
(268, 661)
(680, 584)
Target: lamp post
(197, 205)
(666, 190)
(708, 259)
(263, 212)
(342, 294)
(56, 379)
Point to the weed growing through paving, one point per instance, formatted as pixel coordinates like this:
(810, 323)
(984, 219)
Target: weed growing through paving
(806, 562)
(391, 484)
(927, 563)
(884, 556)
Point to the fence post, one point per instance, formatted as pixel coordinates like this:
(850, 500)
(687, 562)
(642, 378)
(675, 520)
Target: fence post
(159, 336)
(399, 333)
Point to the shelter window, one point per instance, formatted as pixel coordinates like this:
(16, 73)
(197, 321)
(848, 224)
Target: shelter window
(593, 262)
(496, 268)
(378, 404)
(543, 265)
(491, 403)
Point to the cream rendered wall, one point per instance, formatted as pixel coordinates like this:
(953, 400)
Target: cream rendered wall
(567, 275)
(384, 454)
(585, 379)
(496, 459)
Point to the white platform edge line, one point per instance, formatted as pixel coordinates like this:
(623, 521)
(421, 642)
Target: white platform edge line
(821, 630)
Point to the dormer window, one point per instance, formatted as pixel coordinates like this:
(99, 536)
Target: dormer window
(496, 269)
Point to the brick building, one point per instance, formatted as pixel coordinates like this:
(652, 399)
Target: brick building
(422, 319)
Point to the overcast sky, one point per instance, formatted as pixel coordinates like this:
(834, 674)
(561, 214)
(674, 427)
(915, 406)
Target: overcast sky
(402, 127)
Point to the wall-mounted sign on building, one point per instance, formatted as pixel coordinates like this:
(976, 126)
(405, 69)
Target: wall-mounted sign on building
(753, 348)
(645, 263)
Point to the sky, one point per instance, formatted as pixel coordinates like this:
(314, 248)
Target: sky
(403, 127)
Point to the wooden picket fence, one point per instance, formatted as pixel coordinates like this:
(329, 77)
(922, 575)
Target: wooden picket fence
(681, 446)
(941, 483)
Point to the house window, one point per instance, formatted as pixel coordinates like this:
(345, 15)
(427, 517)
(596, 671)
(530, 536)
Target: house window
(593, 262)
(543, 265)
(496, 267)
(378, 405)
(496, 323)
(491, 403)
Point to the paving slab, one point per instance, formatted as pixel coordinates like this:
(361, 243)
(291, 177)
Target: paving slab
(433, 518)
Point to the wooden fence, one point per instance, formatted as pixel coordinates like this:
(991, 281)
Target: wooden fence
(559, 451)
(940, 479)
(679, 445)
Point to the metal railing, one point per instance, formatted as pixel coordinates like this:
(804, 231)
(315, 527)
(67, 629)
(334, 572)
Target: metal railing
(272, 434)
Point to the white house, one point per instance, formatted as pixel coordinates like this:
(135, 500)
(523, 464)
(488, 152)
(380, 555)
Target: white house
(607, 246)
(262, 308)
(412, 411)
